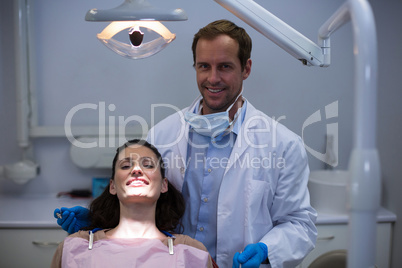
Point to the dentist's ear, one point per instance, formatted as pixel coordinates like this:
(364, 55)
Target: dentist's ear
(112, 187)
(164, 185)
(247, 69)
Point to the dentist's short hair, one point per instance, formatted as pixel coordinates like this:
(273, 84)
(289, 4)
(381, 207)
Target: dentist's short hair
(226, 27)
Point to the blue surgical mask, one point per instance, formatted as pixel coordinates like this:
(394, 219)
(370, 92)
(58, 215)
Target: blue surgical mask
(212, 125)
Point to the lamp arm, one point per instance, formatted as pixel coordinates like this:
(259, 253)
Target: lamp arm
(364, 164)
(278, 31)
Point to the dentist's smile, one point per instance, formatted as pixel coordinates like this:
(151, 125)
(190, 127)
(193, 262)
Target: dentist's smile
(214, 90)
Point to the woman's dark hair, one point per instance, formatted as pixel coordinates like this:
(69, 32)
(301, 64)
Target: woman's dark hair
(104, 211)
(225, 27)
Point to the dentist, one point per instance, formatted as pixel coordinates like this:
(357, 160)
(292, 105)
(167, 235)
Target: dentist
(243, 175)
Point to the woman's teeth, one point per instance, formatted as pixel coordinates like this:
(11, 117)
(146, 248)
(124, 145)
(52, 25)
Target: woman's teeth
(137, 182)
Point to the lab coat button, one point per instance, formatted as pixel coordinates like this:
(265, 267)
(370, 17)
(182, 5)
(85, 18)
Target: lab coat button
(182, 170)
(205, 199)
(209, 170)
(201, 229)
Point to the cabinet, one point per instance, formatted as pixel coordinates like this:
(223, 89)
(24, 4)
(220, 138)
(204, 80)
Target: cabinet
(335, 236)
(30, 239)
(25, 247)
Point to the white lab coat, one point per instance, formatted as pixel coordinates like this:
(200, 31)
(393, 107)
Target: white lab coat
(257, 202)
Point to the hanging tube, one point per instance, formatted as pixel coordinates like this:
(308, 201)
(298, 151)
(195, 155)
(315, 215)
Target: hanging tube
(22, 76)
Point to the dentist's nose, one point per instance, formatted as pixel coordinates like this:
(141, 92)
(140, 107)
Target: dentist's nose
(214, 77)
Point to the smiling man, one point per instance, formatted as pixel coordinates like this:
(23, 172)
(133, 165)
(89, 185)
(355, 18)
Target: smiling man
(220, 74)
(235, 201)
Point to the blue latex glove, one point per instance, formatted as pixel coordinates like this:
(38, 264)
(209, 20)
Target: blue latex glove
(252, 256)
(73, 219)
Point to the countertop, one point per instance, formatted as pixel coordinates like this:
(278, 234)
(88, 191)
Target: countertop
(37, 211)
(34, 211)
(383, 215)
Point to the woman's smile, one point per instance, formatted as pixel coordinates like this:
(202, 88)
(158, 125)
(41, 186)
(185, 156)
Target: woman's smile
(136, 182)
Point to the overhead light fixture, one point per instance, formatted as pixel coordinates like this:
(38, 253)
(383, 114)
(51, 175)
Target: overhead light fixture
(131, 16)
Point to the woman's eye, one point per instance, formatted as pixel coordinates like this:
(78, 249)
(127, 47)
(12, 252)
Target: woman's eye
(125, 165)
(148, 165)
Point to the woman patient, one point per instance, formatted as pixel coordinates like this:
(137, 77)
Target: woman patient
(132, 220)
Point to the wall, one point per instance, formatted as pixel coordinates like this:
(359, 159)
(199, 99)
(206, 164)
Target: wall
(72, 67)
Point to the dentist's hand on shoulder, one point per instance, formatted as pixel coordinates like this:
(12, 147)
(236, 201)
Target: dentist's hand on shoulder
(252, 256)
(72, 219)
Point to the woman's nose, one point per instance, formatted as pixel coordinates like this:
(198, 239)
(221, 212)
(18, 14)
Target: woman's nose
(136, 171)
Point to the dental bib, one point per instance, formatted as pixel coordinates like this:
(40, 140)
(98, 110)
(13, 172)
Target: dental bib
(212, 125)
(130, 253)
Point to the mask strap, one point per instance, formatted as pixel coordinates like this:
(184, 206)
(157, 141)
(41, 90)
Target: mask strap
(230, 107)
(200, 106)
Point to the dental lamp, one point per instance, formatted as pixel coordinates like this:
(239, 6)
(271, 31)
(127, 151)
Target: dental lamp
(132, 15)
(364, 165)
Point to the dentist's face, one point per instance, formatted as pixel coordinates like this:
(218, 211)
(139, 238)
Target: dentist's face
(137, 175)
(219, 73)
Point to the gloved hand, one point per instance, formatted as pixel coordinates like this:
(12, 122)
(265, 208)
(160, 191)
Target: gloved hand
(252, 256)
(73, 219)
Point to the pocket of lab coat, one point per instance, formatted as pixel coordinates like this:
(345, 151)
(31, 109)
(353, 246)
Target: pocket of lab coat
(257, 202)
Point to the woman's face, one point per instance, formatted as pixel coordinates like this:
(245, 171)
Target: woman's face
(138, 175)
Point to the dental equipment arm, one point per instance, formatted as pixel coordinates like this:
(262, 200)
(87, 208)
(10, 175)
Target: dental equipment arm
(277, 31)
(364, 163)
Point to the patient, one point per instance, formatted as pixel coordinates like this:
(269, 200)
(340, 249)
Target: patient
(132, 220)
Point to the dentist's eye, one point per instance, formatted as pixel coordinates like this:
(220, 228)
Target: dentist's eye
(136, 39)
